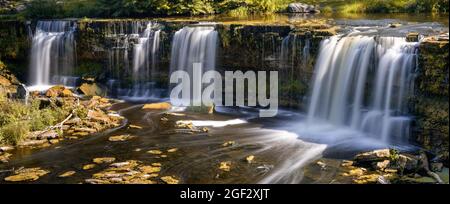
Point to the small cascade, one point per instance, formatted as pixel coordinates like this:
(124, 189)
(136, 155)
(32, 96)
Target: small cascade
(145, 53)
(363, 82)
(52, 52)
(194, 44)
(142, 41)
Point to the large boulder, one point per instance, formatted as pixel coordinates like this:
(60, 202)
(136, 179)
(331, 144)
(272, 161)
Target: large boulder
(91, 89)
(58, 91)
(373, 156)
(302, 8)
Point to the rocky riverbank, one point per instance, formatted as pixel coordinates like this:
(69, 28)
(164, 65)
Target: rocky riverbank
(80, 116)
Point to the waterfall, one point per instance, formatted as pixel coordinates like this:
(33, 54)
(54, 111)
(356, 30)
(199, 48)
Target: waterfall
(145, 53)
(347, 68)
(142, 40)
(194, 44)
(52, 53)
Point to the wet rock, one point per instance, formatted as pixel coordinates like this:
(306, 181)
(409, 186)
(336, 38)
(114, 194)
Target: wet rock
(250, 159)
(27, 174)
(264, 168)
(383, 180)
(412, 37)
(67, 174)
(6, 148)
(302, 8)
(104, 160)
(157, 106)
(58, 91)
(96, 181)
(395, 25)
(382, 165)
(127, 164)
(129, 172)
(98, 116)
(376, 155)
(367, 179)
(91, 89)
(121, 138)
(356, 172)
(4, 157)
(154, 152)
(172, 150)
(81, 134)
(407, 163)
(228, 144)
(169, 180)
(89, 166)
(54, 141)
(43, 135)
(149, 169)
(322, 165)
(347, 163)
(84, 130)
(135, 127)
(437, 167)
(225, 166)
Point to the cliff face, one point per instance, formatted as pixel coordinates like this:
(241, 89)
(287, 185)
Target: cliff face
(431, 103)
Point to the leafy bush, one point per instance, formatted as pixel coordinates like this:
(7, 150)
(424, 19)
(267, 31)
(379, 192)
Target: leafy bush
(17, 119)
(44, 9)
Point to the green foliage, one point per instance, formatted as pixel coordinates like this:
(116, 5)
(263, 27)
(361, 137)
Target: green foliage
(17, 119)
(44, 9)
(12, 133)
(146, 8)
(398, 6)
(87, 68)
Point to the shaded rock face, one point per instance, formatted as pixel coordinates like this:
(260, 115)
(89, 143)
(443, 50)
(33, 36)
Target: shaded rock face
(431, 127)
(9, 84)
(302, 8)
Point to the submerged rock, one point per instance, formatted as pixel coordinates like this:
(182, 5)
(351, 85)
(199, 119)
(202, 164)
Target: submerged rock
(376, 155)
(154, 152)
(67, 174)
(104, 160)
(172, 150)
(58, 91)
(157, 106)
(225, 166)
(4, 157)
(250, 159)
(27, 174)
(135, 127)
(121, 138)
(169, 180)
(128, 172)
(91, 89)
(89, 166)
(229, 143)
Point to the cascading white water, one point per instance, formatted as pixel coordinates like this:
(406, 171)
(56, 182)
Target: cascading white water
(145, 53)
(344, 76)
(142, 40)
(194, 44)
(52, 53)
